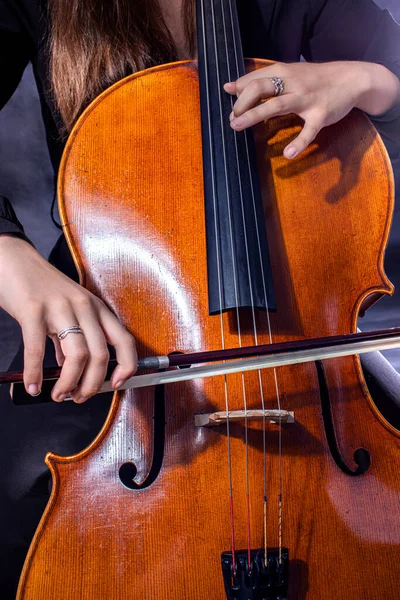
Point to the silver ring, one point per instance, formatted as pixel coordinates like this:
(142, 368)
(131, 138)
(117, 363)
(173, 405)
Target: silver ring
(279, 85)
(72, 329)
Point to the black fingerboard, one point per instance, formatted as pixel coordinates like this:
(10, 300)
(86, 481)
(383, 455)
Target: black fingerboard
(239, 272)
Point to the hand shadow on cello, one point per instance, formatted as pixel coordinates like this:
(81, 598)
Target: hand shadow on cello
(346, 141)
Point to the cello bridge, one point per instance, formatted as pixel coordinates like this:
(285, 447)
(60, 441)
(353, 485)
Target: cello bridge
(221, 417)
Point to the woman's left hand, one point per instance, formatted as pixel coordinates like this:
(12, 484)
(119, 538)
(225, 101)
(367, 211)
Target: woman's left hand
(320, 93)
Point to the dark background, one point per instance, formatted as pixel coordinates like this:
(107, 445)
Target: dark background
(26, 177)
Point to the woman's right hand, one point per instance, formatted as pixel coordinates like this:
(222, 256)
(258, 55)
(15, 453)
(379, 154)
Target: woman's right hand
(44, 301)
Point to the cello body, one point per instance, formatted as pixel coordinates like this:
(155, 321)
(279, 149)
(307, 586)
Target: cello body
(132, 187)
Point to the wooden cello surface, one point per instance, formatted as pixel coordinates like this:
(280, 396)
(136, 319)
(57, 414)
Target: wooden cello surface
(131, 183)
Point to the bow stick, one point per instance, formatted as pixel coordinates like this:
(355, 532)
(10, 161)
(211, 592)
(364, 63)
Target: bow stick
(240, 359)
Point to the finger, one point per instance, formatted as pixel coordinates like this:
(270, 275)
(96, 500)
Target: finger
(255, 91)
(124, 344)
(76, 353)
(230, 87)
(60, 358)
(95, 370)
(275, 70)
(281, 105)
(34, 337)
(303, 140)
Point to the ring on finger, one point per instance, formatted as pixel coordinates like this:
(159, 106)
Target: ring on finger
(71, 329)
(279, 85)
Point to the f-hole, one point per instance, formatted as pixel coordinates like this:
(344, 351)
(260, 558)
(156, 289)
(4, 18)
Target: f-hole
(128, 470)
(362, 457)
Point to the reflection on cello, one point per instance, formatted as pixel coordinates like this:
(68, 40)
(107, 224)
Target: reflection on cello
(200, 233)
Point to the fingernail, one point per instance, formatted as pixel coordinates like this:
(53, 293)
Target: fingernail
(118, 384)
(238, 121)
(61, 397)
(33, 389)
(231, 116)
(81, 399)
(290, 152)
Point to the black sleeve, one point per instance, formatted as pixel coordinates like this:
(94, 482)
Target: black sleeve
(8, 219)
(15, 53)
(357, 30)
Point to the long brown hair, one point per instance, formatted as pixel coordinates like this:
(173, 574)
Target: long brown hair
(94, 43)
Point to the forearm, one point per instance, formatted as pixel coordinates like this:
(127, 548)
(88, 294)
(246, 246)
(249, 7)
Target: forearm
(379, 89)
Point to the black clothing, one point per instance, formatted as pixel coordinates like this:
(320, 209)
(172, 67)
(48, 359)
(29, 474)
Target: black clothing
(320, 30)
(283, 30)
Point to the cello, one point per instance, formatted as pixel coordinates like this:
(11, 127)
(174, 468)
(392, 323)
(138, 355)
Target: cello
(199, 237)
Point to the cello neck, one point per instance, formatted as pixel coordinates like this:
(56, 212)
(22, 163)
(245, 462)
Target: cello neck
(236, 231)
(218, 35)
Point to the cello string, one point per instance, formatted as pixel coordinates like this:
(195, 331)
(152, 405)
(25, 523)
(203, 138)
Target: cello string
(251, 292)
(248, 264)
(217, 249)
(271, 341)
(234, 268)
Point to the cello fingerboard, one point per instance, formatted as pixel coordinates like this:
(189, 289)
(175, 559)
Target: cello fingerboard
(239, 272)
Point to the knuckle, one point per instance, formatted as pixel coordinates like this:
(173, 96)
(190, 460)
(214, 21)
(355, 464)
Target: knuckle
(301, 87)
(240, 85)
(128, 371)
(130, 367)
(33, 315)
(80, 400)
(280, 103)
(66, 386)
(124, 337)
(59, 305)
(89, 390)
(83, 301)
(129, 340)
(34, 308)
(81, 354)
(98, 305)
(34, 350)
(101, 355)
(129, 358)
(255, 86)
(62, 389)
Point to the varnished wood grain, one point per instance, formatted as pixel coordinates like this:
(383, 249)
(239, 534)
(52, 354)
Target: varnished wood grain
(131, 182)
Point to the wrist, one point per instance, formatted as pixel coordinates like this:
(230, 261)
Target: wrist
(378, 89)
(13, 249)
(12, 240)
